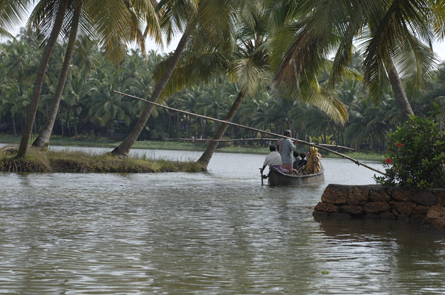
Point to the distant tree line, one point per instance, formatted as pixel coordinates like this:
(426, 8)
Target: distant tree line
(90, 108)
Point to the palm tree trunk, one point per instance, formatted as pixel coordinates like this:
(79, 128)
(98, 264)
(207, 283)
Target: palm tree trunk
(177, 125)
(124, 148)
(61, 121)
(21, 122)
(75, 124)
(13, 125)
(35, 125)
(26, 136)
(168, 128)
(337, 139)
(68, 123)
(42, 140)
(400, 95)
(207, 155)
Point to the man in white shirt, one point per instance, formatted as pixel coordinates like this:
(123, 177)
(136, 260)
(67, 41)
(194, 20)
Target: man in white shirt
(273, 159)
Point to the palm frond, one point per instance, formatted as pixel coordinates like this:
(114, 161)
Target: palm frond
(193, 68)
(329, 104)
(416, 62)
(399, 22)
(247, 73)
(12, 12)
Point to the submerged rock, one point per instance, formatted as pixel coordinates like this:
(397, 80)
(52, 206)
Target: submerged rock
(434, 221)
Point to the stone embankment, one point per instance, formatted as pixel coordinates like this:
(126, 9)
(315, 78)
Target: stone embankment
(425, 207)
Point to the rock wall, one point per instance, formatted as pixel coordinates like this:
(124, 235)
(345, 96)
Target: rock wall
(378, 202)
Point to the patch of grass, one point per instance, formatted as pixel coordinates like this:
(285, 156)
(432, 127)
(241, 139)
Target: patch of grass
(79, 162)
(244, 150)
(170, 145)
(35, 161)
(371, 156)
(9, 139)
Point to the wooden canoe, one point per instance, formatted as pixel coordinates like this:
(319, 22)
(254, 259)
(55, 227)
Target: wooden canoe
(277, 178)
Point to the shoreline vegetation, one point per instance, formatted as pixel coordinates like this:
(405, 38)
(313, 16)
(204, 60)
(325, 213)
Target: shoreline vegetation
(75, 161)
(82, 162)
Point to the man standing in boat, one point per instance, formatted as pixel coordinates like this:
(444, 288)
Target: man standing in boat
(287, 150)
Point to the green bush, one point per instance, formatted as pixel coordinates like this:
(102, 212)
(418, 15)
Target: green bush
(416, 156)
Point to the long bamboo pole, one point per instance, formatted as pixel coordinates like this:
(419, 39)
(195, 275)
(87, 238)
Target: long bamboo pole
(254, 129)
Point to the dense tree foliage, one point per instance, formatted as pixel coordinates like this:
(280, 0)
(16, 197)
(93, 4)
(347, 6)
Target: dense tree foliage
(89, 108)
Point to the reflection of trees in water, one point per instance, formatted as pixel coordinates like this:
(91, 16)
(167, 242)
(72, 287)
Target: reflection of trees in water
(250, 240)
(402, 233)
(291, 227)
(411, 259)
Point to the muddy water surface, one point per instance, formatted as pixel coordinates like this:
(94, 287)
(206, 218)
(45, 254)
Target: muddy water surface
(219, 232)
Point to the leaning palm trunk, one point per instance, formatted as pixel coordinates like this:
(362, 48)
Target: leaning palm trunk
(42, 140)
(26, 136)
(400, 95)
(207, 155)
(124, 148)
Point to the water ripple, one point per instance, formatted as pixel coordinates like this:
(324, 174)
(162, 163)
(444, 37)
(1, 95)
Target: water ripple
(206, 233)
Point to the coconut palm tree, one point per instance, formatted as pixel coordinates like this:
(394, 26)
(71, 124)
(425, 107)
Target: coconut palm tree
(77, 90)
(17, 62)
(245, 60)
(43, 139)
(86, 55)
(108, 107)
(367, 124)
(393, 35)
(246, 65)
(60, 8)
(82, 11)
(4, 33)
(435, 95)
(114, 22)
(7, 103)
(213, 18)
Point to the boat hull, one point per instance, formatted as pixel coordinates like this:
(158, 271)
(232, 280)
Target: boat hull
(278, 178)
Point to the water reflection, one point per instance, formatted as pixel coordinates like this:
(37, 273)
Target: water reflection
(219, 232)
(412, 260)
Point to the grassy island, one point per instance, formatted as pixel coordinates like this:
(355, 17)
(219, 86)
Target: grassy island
(79, 162)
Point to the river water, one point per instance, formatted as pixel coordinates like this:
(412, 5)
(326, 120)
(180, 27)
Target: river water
(218, 232)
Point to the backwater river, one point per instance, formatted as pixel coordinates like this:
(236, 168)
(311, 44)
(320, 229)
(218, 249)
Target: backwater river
(218, 232)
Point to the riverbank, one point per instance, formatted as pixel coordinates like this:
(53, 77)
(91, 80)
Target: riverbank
(181, 145)
(81, 162)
